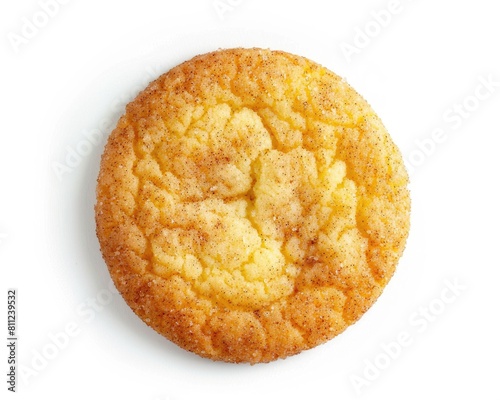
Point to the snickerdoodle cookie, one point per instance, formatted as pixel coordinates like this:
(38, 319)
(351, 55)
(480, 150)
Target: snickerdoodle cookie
(251, 205)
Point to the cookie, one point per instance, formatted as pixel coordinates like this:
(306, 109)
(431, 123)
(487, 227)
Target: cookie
(251, 205)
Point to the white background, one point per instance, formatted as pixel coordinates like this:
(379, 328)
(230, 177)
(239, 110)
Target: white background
(68, 80)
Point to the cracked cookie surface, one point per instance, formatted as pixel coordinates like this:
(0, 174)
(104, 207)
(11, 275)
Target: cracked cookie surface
(251, 205)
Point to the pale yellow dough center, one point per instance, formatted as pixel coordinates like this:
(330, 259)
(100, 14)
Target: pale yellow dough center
(235, 203)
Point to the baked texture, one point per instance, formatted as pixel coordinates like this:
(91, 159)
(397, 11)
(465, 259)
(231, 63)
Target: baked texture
(251, 205)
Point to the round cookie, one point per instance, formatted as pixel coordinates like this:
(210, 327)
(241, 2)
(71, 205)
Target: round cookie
(251, 205)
